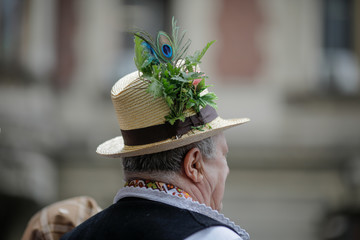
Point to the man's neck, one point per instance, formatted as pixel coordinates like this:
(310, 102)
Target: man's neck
(177, 180)
(164, 177)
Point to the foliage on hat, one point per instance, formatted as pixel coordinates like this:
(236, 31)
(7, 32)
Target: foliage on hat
(170, 73)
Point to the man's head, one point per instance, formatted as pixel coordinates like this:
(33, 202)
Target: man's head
(199, 168)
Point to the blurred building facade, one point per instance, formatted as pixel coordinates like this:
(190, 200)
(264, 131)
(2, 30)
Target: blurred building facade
(290, 66)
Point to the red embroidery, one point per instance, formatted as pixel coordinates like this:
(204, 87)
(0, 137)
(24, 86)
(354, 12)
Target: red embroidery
(163, 187)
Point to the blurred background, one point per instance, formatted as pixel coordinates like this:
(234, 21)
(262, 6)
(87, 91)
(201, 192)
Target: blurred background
(291, 66)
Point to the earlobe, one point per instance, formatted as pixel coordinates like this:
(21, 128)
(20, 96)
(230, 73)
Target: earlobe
(193, 165)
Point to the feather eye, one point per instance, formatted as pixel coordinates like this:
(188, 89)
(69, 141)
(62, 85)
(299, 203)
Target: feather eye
(165, 46)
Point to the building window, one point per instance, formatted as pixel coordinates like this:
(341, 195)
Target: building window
(340, 73)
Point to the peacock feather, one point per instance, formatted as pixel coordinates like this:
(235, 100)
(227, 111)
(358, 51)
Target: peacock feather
(179, 83)
(165, 49)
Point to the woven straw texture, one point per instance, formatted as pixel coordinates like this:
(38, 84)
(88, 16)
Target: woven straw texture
(134, 107)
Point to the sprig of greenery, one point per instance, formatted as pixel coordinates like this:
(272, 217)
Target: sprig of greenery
(180, 85)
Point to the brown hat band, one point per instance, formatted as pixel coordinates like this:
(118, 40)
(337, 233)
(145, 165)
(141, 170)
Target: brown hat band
(165, 131)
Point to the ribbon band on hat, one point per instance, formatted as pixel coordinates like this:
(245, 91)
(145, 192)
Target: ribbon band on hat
(165, 131)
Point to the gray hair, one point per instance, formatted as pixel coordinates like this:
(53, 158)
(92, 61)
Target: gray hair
(167, 161)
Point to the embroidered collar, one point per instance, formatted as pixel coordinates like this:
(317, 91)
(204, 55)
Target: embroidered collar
(177, 201)
(160, 186)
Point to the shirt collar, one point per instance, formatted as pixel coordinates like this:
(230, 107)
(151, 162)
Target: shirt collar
(160, 186)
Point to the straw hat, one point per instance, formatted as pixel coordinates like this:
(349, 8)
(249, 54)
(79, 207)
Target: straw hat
(141, 118)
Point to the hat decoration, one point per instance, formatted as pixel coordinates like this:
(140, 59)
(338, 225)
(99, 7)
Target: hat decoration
(166, 103)
(171, 74)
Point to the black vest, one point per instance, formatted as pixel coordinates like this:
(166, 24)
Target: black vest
(136, 218)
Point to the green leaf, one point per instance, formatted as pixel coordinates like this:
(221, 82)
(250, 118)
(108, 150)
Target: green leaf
(192, 75)
(169, 101)
(180, 79)
(171, 120)
(209, 99)
(199, 57)
(138, 58)
(199, 128)
(190, 104)
(155, 88)
(182, 118)
(192, 61)
(201, 86)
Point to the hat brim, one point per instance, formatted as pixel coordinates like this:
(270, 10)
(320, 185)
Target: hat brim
(116, 148)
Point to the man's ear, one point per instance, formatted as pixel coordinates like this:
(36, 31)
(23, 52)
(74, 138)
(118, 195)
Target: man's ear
(193, 165)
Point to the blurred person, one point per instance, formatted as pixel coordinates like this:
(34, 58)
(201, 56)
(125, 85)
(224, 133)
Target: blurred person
(172, 148)
(53, 221)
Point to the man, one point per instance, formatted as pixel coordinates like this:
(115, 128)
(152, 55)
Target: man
(173, 152)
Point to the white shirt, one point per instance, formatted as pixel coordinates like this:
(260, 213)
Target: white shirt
(215, 233)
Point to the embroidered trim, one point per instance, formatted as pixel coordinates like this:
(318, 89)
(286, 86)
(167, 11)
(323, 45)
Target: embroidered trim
(155, 185)
(176, 201)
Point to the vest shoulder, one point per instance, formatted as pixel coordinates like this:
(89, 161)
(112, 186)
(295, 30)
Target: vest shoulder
(136, 218)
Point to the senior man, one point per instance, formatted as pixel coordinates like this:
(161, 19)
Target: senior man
(172, 148)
